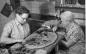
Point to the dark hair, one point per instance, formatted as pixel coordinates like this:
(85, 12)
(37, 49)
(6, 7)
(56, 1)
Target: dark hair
(21, 9)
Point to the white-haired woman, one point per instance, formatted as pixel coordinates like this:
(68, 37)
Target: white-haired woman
(74, 37)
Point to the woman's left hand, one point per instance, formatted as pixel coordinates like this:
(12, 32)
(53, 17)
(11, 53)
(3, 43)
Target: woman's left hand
(54, 28)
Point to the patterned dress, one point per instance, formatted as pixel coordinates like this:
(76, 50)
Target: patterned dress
(75, 33)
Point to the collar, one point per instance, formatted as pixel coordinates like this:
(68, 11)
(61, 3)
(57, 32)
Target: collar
(16, 21)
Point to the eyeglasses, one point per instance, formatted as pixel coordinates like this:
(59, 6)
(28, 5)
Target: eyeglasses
(23, 18)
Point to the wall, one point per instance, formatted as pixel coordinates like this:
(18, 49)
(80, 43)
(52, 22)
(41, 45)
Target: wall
(48, 8)
(41, 7)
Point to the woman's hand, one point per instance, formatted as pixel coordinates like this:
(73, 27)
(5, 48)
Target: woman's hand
(24, 41)
(20, 41)
(61, 33)
(54, 28)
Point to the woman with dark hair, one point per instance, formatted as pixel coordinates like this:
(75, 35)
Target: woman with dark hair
(17, 29)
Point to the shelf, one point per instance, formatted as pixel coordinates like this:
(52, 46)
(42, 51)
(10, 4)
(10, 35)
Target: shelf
(71, 6)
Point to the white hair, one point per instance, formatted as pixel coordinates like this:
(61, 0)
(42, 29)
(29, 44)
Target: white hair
(67, 15)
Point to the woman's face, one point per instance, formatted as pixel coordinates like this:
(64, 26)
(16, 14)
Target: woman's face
(64, 20)
(22, 18)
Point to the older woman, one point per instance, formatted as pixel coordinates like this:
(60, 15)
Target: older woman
(74, 37)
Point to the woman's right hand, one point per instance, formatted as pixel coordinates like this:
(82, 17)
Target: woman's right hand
(61, 33)
(18, 40)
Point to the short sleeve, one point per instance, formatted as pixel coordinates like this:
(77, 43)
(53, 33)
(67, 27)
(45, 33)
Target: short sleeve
(6, 30)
